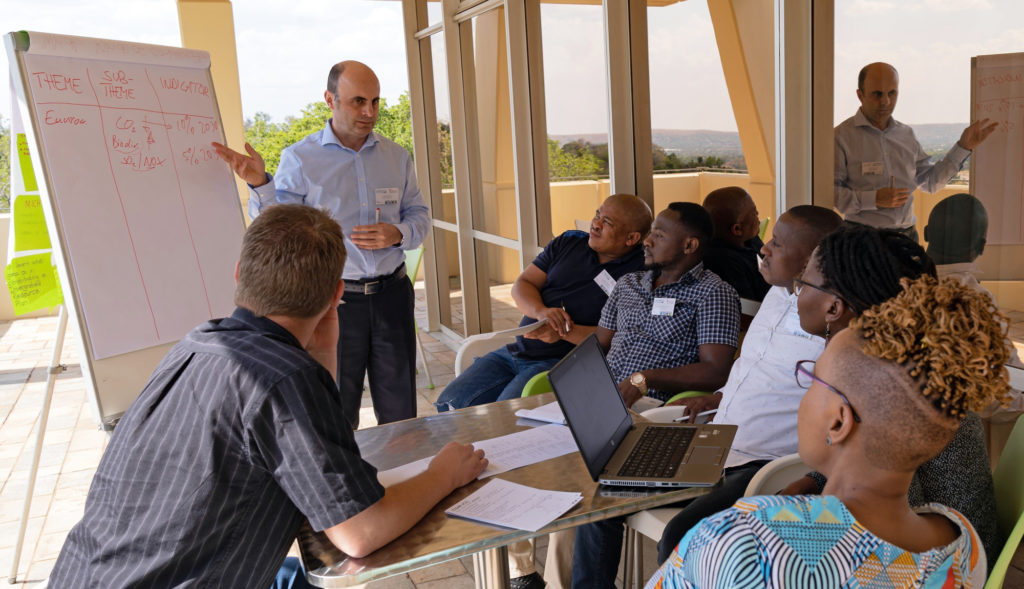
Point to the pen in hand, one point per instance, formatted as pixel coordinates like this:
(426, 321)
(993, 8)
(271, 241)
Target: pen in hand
(566, 321)
(378, 214)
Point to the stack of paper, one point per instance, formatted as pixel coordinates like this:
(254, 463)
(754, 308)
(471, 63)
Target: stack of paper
(511, 505)
(504, 453)
(550, 413)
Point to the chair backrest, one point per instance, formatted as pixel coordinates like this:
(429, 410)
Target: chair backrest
(1009, 479)
(664, 414)
(537, 385)
(763, 229)
(1009, 484)
(475, 346)
(582, 225)
(412, 262)
(776, 475)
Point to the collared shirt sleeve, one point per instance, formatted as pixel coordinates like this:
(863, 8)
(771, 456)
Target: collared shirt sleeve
(931, 177)
(848, 201)
(294, 434)
(288, 187)
(414, 212)
(718, 318)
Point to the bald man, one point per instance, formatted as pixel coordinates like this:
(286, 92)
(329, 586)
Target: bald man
(879, 162)
(732, 253)
(367, 183)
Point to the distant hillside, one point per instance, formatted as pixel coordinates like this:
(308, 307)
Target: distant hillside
(691, 143)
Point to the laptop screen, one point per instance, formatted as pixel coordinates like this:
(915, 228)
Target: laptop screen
(591, 403)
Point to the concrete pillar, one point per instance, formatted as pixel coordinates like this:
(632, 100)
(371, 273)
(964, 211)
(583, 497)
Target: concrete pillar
(209, 25)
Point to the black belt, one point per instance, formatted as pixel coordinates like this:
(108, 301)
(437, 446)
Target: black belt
(368, 286)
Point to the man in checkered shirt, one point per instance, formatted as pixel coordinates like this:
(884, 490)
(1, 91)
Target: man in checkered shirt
(674, 326)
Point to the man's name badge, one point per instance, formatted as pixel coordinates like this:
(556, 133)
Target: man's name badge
(605, 281)
(663, 307)
(871, 168)
(386, 196)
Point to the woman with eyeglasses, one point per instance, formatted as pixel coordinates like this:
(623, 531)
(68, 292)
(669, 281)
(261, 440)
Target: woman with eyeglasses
(885, 396)
(851, 270)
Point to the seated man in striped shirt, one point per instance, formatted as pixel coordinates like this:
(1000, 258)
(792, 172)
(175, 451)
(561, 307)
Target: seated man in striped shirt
(235, 439)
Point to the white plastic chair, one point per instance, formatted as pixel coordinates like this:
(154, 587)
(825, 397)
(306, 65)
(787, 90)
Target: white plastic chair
(776, 475)
(475, 346)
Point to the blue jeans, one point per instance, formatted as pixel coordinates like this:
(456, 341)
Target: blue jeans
(497, 376)
(598, 545)
(291, 575)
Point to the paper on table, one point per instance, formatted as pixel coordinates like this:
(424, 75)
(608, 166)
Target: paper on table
(503, 453)
(511, 505)
(551, 413)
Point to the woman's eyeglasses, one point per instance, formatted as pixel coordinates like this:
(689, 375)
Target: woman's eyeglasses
(804, 374)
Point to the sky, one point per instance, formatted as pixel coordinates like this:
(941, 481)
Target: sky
(286, 48)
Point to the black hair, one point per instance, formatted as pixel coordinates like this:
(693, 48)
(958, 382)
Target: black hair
(696, 219)
(814, 222)
(864, 265)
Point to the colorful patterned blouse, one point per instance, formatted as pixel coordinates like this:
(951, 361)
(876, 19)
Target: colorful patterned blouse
(813, 541)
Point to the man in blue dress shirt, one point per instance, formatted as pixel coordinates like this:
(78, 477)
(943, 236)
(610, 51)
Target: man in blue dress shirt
(366, 182)
(878, 161)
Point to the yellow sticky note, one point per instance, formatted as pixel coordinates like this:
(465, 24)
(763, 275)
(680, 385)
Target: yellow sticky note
(33, 283)
(27, 174)
(29, 224)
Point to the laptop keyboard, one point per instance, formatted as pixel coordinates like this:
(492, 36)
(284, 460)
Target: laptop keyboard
(658, 453)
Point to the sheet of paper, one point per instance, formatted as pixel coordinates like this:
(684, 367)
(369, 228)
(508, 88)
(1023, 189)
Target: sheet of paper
(517, 331)
(511, 505)
(503, 453)
(551, 413)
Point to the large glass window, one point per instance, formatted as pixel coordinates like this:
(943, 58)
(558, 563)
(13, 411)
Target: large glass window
(931, 47)
(696, 146)
(576, 99)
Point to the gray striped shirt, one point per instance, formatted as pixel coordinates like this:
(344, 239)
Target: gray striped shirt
(238, 435)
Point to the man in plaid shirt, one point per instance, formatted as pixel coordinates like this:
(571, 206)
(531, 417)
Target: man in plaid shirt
(674, 326)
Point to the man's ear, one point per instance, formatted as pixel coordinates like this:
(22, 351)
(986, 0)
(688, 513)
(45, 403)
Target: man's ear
(736, 230)
(690, 245)
(329, 99)
(340, 290)
(860, 94)
(633, 238)
(237, 264)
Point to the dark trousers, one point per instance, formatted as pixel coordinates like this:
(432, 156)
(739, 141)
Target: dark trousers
(599, 545)
(377, 336)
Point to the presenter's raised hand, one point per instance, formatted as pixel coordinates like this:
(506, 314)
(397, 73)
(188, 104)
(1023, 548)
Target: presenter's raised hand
(977, 132)
(249, 168)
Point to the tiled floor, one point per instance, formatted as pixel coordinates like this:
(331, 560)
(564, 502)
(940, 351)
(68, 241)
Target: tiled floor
(73, 446)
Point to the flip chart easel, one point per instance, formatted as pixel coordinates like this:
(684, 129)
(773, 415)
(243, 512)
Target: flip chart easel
(997, 165)
(144, 219)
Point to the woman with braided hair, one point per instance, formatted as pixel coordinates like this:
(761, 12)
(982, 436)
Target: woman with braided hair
(884, 397)
(851, 270)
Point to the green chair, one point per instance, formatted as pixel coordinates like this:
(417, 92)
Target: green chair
(1009, 484)
(764, 227)
(412, 268)
(538, 385)
(687, 395)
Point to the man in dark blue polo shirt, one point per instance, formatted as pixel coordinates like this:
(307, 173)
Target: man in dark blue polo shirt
(567, 284)
(235, 439)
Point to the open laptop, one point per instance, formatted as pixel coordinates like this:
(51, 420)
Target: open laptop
(619, 452)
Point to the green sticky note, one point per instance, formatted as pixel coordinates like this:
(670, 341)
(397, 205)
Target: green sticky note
(27, 174)
(33, 284)
(29, 224)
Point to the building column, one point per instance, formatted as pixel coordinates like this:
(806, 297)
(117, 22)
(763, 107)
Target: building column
(209, 25)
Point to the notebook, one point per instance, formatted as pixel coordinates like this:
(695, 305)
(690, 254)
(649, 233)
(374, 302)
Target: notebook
(619, 452)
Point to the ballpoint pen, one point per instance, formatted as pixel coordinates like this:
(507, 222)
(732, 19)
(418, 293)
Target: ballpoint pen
(378, 214)
(566, 321)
